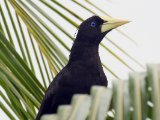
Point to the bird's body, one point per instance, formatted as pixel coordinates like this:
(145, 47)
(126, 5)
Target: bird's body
(83, 70)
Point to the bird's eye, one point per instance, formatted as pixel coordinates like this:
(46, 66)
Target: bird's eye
(93, 24)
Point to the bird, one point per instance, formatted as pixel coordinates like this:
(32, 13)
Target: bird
(84, 68)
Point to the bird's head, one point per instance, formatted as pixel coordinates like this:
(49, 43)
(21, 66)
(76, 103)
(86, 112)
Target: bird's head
(95, 28)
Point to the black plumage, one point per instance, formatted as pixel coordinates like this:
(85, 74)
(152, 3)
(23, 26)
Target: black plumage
(83, 70)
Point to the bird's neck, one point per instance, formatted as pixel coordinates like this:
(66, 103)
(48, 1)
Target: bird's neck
(85, 52)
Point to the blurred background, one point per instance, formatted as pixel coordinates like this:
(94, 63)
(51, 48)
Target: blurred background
(124, 50)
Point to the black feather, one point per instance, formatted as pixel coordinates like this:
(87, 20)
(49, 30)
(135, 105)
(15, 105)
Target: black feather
(83, 70)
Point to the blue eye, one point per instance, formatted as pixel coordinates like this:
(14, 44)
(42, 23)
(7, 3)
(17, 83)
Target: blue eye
(93, 24)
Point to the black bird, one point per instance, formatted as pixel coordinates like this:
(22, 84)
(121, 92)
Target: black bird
(84, 68)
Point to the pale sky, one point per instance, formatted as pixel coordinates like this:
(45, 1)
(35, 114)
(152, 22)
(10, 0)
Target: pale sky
(144, 28)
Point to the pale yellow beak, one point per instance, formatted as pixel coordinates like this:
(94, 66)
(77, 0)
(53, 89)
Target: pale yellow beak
(112, 23)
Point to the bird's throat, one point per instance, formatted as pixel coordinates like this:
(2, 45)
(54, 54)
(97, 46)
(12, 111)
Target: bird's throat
(84, 52)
